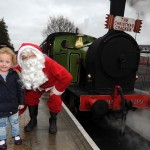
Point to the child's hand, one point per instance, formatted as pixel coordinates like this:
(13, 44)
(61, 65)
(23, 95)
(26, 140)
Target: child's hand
(20, 107)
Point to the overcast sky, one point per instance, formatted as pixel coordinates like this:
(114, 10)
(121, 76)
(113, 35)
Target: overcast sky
(26, 19)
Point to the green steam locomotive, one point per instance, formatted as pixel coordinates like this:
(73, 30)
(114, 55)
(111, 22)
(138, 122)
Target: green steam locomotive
(104, 69)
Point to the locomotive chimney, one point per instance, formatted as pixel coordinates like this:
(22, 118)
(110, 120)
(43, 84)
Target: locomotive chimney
(117, 7)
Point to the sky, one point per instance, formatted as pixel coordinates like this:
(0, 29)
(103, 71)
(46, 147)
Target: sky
(26, 19)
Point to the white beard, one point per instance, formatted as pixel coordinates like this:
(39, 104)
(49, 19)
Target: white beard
(32, 74)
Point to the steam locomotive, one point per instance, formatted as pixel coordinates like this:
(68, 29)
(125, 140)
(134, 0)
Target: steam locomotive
(103, 69)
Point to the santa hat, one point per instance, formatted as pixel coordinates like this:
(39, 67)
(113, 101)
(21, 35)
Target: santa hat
(26, 47)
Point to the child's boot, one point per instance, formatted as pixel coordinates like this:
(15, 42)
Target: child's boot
(17, 140)
(3, 145)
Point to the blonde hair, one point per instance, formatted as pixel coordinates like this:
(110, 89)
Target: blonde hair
(7, 50)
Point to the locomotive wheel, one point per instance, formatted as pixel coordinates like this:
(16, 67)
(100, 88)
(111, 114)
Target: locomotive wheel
(99, 108)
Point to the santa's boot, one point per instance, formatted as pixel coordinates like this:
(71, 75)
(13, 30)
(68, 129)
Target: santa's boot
(33, 112)
(53, 122)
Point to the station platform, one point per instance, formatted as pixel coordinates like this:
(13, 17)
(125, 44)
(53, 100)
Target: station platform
(70, 134)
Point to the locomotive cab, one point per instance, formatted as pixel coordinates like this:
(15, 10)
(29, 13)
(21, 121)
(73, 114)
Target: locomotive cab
(69, 50)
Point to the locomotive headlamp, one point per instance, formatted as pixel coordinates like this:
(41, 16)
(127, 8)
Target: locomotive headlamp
(79, 42)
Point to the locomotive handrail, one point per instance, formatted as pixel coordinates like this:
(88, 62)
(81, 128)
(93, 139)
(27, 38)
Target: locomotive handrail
(145, 51)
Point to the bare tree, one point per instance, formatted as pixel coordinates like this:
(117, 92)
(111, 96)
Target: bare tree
(59, 24)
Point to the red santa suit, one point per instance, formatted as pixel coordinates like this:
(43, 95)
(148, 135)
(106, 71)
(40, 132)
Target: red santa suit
(58, 79)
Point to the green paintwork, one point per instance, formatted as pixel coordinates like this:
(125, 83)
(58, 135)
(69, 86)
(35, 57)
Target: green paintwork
(72, 58)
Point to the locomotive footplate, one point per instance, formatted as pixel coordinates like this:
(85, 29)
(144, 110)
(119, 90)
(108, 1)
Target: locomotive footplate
(77, 91)
(114, 101)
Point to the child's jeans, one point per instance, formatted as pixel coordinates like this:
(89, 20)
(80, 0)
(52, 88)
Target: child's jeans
(14, 122)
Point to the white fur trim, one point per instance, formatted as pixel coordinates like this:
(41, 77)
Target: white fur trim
(28, 47)
(55, 91)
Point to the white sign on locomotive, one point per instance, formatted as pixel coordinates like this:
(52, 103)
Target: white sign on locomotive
(124, 24)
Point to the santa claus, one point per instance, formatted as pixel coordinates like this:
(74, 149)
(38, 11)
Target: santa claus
(40, 74)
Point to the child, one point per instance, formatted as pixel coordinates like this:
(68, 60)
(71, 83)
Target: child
(11, 97)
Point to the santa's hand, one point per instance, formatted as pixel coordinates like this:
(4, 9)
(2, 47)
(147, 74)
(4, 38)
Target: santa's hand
(20, 107)
(51, 93)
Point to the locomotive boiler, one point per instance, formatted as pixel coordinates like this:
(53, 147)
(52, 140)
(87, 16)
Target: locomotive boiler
(103, 69)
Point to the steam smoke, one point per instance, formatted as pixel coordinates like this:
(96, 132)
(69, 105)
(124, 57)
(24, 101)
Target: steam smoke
(141, 6)
(139, 122)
